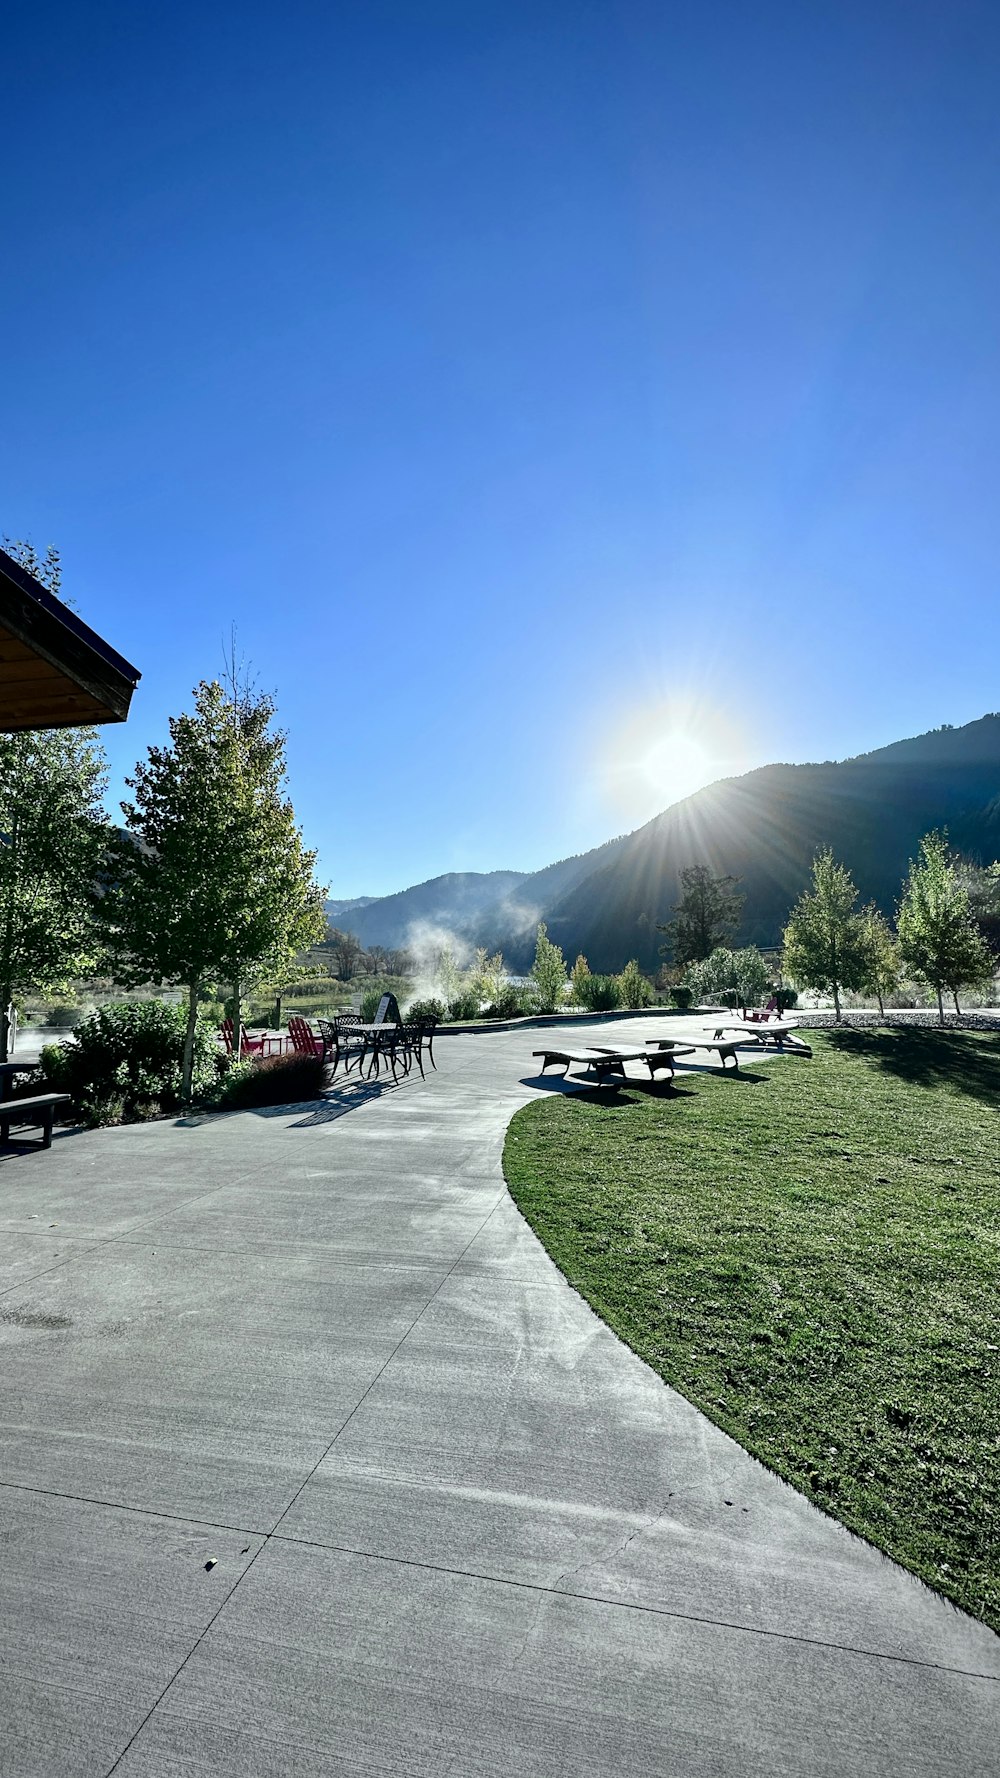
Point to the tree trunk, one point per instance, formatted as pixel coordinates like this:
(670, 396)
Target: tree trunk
(881, 1008)
(192, 1020)
(836, 1001)
(6, 1021)
(954, 995)
(237, 1020)
(279, 996)
(940, 1008)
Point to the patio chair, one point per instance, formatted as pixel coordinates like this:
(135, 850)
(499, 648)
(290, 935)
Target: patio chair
(424, 1030)
(304, 1043)
(249, 1046)
(352, 1039)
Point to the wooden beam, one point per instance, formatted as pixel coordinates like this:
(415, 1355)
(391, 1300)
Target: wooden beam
(55, 671)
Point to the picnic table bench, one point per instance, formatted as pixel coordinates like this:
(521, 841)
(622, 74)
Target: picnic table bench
(39, 1110)
(605, 1062)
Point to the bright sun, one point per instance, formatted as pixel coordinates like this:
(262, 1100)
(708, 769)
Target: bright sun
(660, 752)
(677, 765)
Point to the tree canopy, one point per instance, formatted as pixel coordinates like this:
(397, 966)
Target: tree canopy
(549, 971)
(213, 882)
(707, 914)
(938, 936)
(824, 941)
(742, 975)
(53, 835)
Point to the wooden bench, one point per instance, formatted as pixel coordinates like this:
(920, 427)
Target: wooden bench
(39, 1110)
(607, 1062)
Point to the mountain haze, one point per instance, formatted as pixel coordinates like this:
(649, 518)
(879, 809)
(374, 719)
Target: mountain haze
(763, 827)
(454, 901)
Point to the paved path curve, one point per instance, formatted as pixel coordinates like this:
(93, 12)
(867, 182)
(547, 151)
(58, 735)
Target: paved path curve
(311, 1463)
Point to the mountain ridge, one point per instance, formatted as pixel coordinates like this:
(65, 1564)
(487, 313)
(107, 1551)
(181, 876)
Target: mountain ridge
(763, 826)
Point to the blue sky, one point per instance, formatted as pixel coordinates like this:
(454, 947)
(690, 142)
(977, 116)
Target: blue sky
(566, 402)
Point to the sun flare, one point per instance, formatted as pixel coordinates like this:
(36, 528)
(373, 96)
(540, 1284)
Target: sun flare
(660, 753)
(676, 765)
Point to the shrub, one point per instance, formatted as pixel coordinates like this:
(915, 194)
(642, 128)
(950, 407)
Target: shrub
(63, 1016)
(464, 1007)
(681, 998)
(426, 1009)
(511, 1003)
(125, 1062)
(634, 990)
(369, 1004)
(598, 993)
(269, 1080)
(787, 998)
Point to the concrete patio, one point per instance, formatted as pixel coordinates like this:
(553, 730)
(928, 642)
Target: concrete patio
(311, 1463)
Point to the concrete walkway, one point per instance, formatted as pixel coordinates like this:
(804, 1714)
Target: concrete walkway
(311, 1463)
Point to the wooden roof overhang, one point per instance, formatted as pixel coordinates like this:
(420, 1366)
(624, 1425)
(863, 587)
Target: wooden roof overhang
(55, 672)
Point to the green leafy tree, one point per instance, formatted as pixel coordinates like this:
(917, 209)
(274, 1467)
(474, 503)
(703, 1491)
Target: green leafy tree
(487, 981)
(707, 914)
(53, 836)
(578, 977)
(47, 569)
(740, 976)
(549, 972)
(938, 936)
(983, 886)
(882, 967)
(213, 882)
(634, 990)
(346, 949)
(823, 940)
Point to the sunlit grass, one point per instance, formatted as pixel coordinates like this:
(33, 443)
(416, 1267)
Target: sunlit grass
(809, 1253)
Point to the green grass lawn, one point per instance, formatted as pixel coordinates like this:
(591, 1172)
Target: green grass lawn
(808, 1251)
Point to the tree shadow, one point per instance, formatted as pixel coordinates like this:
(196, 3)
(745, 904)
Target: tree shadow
(335, 1102)
(928, 1058)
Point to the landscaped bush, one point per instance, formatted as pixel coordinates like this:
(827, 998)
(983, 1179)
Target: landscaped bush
(786, 998)
(512, 1002)
(426, 1009)
(269, 1080)
(598, 993)
(634, 990)
(681, 998)
(464, 1007)
(124, 1065)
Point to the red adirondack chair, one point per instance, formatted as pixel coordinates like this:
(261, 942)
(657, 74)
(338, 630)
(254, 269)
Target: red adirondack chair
(303, 1041)
(249, 1046)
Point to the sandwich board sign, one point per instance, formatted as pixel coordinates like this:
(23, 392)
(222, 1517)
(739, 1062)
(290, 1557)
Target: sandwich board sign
(388, 1011)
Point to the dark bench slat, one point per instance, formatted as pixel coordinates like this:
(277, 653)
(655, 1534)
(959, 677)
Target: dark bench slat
(40, 1109)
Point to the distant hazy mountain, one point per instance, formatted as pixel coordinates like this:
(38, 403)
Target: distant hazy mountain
(334, 909)
(763, 827)
(454, 902)
(766, 827)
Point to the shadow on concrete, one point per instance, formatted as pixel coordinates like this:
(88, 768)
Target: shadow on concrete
(336, 1102)
(606, 1092)
(962, 1060)
(18, 1147)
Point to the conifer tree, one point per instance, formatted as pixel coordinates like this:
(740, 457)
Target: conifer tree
(212, 883)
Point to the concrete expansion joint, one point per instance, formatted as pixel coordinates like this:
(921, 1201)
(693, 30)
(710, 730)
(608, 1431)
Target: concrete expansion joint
(556, 1591)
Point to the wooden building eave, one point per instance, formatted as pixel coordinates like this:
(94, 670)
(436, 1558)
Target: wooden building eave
(55, 672)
